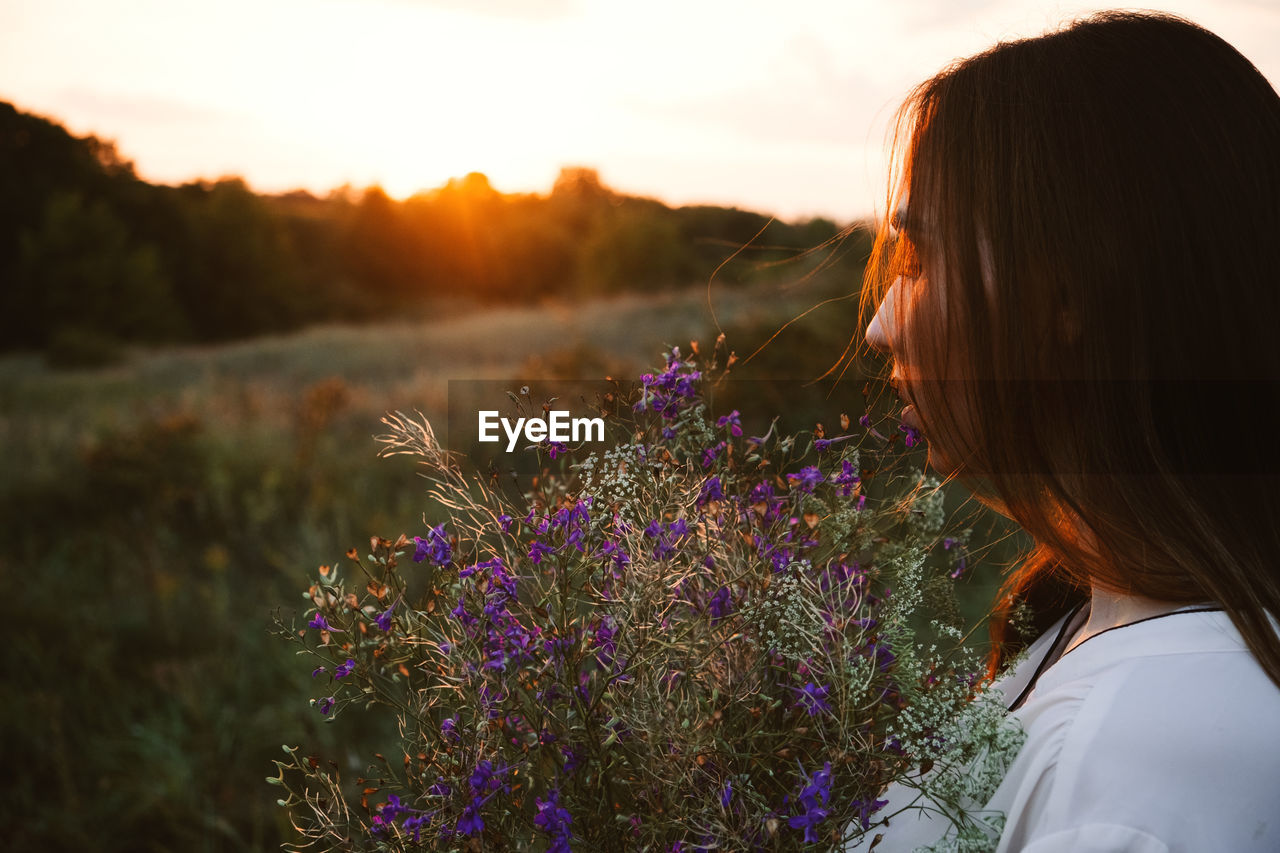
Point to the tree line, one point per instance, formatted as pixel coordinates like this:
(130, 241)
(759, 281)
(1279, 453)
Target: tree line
(91, 252)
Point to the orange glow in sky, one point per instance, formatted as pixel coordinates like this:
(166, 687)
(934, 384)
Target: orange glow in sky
(779, 108)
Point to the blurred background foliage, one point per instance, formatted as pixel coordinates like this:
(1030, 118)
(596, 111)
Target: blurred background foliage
(91, 255)
(176, 466)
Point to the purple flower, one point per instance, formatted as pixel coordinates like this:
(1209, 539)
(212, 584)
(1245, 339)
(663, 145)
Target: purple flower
(808, 820)
(538, 550)
(435, 545)
(449, 728)
(669, 391)
(822, 445)
(710, 454)
(881, 655)
(911, 435)
(808, 478)
(668, 538)
(504, 521)
(712, 490)
(320, 622)
(813, 800)
(604, 639)
(779, 556)
(345, 669)
(813, 698)
(556, 448)
(393, 808)
(413, 827)
(489, 700)
(847, 479)
(554, 820)
(819, 787)
(620, 559)
(732, 421)
(483, 777)
(462, 614)
(867, 808)
(727, 794)
(471, 823)
(763, 500)
(865, 420)
(383, 620)
(721, 604)
(317, 671)
(326, 705)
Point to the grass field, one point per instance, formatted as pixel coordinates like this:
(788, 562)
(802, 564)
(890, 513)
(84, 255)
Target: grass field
(156, 512)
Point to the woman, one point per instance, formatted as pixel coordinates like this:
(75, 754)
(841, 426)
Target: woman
(1081, 297)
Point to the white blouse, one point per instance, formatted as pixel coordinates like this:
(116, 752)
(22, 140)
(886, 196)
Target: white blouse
(1155, 737)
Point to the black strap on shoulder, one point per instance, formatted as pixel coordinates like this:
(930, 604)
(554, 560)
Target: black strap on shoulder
(1051, 654)
(1055, 651)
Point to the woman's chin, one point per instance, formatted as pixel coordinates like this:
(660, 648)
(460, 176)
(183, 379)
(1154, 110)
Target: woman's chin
(937, 461)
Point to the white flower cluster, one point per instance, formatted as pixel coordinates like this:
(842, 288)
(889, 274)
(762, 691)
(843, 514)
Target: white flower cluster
(787, 614)
(614, 478)
(928, 511)
(904, 568)
(971, 743)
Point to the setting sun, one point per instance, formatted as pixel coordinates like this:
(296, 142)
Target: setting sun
(719, 102)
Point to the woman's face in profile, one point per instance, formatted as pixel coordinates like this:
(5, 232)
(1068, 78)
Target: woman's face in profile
(921, 325)
(891, 332)
(887, 334)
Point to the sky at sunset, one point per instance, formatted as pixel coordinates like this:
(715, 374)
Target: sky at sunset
(780, 107)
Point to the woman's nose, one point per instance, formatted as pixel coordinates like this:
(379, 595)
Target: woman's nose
(883, 326)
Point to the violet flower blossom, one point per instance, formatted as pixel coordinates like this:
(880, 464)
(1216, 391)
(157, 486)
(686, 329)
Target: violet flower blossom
(435, 545)
(807, 480)
(733, 421)
(813, 698)
(813, 800)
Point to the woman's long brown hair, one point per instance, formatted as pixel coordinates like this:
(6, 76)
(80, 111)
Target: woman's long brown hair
(1089, 240)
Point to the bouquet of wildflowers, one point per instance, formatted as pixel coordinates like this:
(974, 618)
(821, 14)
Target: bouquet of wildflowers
(692, 639)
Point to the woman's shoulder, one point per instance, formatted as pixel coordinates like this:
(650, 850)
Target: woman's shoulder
(1168, 728)
(1188, 672)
